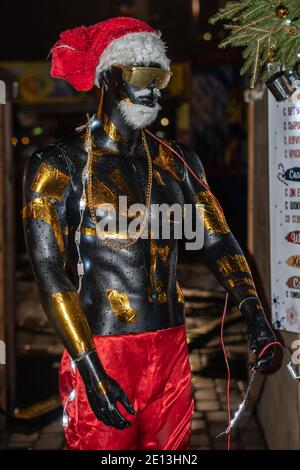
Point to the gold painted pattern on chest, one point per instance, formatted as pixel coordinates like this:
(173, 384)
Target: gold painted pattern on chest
(158, 178)
(118, 179)
(107, 197)
(156, 287)
(102, 195)
(165, 160)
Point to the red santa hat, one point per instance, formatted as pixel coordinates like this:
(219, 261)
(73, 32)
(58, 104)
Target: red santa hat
(82, 53)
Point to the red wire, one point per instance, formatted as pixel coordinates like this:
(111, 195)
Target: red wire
(262, 352)
(228, 371)
(188, 167)
(226, 298)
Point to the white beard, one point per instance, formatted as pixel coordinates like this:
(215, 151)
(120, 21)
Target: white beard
(138, 115)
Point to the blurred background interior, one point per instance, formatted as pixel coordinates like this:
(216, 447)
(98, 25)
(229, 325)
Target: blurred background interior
(204, 108)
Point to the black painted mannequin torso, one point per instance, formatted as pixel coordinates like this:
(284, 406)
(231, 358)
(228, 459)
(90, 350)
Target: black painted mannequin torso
(146, 271)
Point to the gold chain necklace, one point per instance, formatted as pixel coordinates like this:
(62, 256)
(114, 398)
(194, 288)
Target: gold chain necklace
(88, 140)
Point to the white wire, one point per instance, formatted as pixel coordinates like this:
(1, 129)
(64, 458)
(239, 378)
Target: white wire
(243, 301)
(82, 207)
(65, 414)
(240, 409)
(80, 266)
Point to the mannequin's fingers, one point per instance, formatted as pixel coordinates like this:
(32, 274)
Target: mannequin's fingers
(126, 403)
(119, 421)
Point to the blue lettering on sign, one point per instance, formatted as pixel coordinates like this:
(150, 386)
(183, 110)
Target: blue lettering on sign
(292, 174)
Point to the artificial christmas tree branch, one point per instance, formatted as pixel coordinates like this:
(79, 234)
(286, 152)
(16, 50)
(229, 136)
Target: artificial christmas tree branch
(269, 30)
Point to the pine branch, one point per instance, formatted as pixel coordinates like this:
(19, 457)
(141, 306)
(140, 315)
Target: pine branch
(249, 25)
(292, 48)
(257, 64)
(248, 62)
(262, 9)
(296, 12)
(237, 41)
(230, 10)
(257, 26)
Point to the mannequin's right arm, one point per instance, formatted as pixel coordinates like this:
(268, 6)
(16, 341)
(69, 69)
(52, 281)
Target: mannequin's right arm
(47, 187)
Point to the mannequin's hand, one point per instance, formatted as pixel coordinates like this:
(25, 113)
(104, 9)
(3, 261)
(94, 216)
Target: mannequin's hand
(103, 392)
(259, 334)
(103, 399)
(256, 344)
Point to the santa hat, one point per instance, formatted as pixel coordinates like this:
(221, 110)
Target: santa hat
(82, 53)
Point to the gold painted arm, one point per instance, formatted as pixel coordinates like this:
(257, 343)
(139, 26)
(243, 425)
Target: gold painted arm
(46, 187)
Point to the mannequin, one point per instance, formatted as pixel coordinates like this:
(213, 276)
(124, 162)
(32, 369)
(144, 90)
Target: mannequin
(112, 298)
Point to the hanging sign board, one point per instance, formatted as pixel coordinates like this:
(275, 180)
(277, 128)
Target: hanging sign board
(284, 177)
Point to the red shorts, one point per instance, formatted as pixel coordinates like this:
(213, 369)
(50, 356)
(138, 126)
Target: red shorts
(154, 371)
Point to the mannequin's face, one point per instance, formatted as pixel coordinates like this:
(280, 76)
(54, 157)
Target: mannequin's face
(138, 104)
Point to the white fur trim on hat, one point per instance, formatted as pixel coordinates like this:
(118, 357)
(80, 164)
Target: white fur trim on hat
(143, 47)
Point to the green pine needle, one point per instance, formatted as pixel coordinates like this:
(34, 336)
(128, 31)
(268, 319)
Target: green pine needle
(254, 25)
(228, 12)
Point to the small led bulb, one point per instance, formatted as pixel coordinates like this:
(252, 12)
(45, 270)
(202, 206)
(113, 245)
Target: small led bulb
(65, 420)
(77, 236)
(80, 268)
(82, 203)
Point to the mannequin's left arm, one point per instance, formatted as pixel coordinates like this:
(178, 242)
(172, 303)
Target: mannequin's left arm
(225, 258)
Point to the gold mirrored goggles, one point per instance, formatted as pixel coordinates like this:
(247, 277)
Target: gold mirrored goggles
(143, 76)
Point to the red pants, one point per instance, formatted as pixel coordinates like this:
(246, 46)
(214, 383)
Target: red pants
(154, 371)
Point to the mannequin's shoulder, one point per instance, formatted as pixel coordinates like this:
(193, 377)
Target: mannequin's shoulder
(58, 155)
(182, 156)
(50, 165)
(189, 155)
